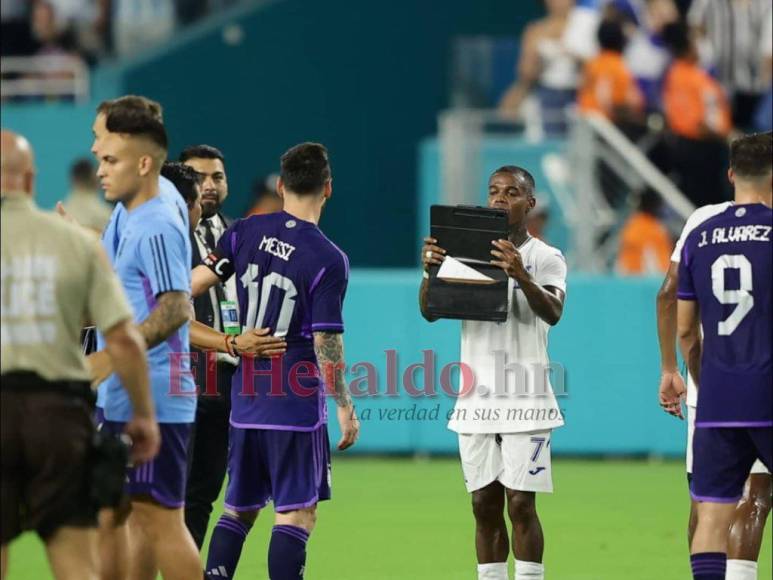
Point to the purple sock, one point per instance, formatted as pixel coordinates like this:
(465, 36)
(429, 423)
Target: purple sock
(225, 547)
(708, 566)
(287, 553)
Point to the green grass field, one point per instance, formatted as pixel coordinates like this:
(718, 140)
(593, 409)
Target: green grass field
(410, 519)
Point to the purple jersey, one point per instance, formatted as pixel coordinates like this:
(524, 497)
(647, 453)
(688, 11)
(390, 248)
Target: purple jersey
(726, 267)
(291, 279)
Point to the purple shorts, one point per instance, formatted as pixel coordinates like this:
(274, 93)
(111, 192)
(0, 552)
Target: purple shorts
(290, 468)
(722, 458)
(165, 477)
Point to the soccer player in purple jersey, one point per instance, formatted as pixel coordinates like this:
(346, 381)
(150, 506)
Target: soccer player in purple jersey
(725, 286)
(751, 513)
(291, 279)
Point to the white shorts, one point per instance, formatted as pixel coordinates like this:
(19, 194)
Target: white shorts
(519, 461)
(758, 466)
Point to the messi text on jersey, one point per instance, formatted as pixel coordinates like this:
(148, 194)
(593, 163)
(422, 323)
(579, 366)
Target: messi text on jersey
(277, 248)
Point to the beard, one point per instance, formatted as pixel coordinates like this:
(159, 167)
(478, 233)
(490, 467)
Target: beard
(209, 207)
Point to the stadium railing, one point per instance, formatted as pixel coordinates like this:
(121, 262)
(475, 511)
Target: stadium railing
(49, 76)
(595, 140)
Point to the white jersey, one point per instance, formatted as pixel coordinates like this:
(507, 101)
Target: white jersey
(697, 217)
(512, 391)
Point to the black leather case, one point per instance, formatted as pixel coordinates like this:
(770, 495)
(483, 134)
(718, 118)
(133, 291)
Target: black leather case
(466, 233)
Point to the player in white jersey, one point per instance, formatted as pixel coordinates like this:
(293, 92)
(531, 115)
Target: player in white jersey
(752, 510)
(505, 422)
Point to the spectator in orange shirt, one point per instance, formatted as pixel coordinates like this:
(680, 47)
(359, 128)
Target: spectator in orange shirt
(694, 103)
(645, 244)
(608, 87)
(698, 116)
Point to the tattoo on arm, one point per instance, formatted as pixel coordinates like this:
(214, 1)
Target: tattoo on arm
(171, 312)
(329, 348)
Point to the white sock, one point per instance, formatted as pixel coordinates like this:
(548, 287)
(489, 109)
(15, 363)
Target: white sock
(494, 571)
(741, 570)
(529, 570)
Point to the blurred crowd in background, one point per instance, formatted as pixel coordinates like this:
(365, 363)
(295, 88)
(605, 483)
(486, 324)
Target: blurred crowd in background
(678, 78)
(95, 29)
(706, 65)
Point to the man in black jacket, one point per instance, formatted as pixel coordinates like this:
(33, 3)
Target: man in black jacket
(209, 452)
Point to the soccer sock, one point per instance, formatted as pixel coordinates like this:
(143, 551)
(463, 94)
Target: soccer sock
(493, 571)
(741, 570)
(529, 570)
(287, 553)
(708, 565)
(225, 547)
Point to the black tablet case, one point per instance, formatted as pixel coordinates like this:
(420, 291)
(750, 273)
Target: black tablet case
(466, 234)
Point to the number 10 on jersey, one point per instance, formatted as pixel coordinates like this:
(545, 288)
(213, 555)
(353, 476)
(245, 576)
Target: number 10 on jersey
(258, 293)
